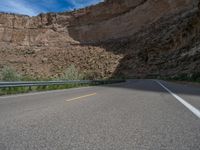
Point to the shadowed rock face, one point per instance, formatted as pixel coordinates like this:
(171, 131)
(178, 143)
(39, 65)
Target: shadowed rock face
(123, 18)
(136, 38)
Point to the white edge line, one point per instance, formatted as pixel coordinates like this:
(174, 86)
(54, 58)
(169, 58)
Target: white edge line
(194, 110)
(45, 92)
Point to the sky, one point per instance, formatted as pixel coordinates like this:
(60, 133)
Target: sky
(35, 7)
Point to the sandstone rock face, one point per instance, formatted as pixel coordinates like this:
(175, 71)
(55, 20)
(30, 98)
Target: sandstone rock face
(136, 38)
(42, 47)
(123, 19)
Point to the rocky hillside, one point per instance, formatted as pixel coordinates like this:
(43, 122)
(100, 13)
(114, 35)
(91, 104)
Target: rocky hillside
(135, 38)
(42, 47)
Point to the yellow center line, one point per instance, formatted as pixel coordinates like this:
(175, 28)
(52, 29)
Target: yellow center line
(81, 97)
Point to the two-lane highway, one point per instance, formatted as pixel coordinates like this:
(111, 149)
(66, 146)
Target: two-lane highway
(138, 114)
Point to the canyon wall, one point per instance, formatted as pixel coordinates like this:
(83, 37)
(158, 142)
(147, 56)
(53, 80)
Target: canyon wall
(121, 19)
(42, 47)
(135, 38)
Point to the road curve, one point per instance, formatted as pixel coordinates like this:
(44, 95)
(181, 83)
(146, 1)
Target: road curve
(138, 114)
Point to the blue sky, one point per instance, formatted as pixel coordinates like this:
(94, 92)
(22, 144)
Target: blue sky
(34, 7)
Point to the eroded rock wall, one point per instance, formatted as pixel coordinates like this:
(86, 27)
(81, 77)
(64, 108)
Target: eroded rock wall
(169, 47)
(42, 47)
(123, 18)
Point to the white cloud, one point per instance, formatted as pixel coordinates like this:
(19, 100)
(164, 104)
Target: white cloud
(34, 7)
(83, 3)
(20, 7)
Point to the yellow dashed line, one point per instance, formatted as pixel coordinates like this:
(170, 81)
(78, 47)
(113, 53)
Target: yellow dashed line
(81, 97)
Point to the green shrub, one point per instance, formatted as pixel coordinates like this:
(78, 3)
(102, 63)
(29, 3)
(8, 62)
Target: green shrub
(72, 73)
(9, 74)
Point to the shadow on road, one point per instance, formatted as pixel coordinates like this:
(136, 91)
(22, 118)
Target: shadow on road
(153, 86)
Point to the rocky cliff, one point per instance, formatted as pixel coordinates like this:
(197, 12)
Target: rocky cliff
(120, 19)
(41, 46)
(136, 38)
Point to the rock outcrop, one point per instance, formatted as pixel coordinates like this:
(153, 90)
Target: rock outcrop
(42, 47)
(135, 38)
(120, 19)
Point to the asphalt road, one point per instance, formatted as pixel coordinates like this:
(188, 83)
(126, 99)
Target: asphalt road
(136, 115)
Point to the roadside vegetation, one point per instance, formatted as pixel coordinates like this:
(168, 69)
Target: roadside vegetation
(8, 74)
(72, 73)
